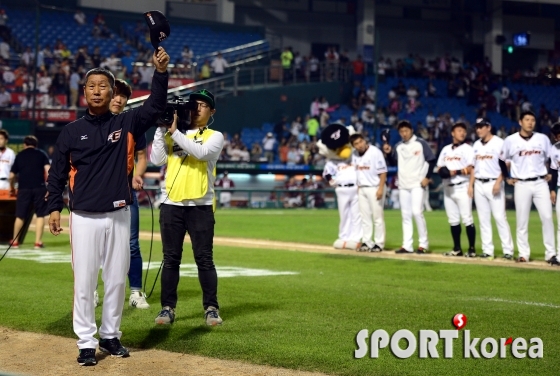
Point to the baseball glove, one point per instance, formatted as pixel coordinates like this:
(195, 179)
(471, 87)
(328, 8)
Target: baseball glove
(444, 172)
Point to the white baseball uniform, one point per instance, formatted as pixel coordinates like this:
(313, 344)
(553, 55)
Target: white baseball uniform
(486, 172)
(458, 204)
(555, 165)
(343, 178)
(7, 158)
(528, 159)
(413, 159)
(368, 167)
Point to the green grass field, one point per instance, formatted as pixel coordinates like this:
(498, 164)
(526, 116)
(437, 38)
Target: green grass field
(308, 320)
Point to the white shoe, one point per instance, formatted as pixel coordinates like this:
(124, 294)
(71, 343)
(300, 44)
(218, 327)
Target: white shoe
(138, 299)
(96, 298)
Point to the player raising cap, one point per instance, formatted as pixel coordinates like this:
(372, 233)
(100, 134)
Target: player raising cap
(487, 186)
(528, 152)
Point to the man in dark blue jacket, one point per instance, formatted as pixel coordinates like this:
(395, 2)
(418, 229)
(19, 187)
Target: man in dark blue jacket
(96, 155)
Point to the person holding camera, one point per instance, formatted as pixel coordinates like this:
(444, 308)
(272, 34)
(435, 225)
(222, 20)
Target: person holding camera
(95, 155)
(188, 202)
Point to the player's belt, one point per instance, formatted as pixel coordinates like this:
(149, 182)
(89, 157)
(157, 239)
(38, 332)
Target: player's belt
(486, 180)
(452, 185)
(346, 185)
(533, 179)
(3, 178)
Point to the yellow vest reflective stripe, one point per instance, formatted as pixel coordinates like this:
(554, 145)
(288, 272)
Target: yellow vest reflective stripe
(187, 177)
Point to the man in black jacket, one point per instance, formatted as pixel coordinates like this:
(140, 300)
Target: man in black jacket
(96, 154)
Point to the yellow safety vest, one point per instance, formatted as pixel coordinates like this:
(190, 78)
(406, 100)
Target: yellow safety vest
(187, 177)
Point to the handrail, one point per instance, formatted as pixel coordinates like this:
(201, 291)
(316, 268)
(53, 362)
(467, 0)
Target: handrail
(231, 49)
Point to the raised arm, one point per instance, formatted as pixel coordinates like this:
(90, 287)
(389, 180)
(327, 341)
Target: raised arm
(146, 115)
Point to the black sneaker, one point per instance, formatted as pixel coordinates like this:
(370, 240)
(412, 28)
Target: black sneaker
(507, 257)
(487, 256)
(87, 357)
(455, 253)
(471, 253)
(553, 261)
(363, 248)
(402, 251)
(113, 346)
(376, 248)
(421, 250)
(521, 259)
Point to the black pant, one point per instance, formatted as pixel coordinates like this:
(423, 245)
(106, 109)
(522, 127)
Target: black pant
(175, 222)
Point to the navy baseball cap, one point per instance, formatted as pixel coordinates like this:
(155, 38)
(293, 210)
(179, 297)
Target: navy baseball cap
(555, 129)
(481, 122)
(204, 95)
(159, 27)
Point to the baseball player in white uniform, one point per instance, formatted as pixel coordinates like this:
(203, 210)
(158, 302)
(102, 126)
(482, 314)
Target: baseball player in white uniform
(553, 185)
(528, 152)
(487, 186)
(416, 161)
(341, 174)
(7, 158)
(371, 174)
(454, 166)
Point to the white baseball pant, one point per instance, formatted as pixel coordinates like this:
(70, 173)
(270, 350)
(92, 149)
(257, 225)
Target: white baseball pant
(4, 185)
(525, 194)
(99, 239)
(349, 228)
(487, 203)
(372, 215)
(225, 199)
(412, 204)
(458, 204)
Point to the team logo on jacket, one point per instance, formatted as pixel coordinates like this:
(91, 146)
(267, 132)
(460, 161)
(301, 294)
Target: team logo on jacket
(115, 136)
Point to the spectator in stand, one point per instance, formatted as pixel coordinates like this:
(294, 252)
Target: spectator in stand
(205, 71)
(111, 63)
(5, 102)
(323, 118)
(269, 143)
(146, 74)
(359, 69)
(27, 57)
(314, 108)
(303, 136)
(313, 66)
(59, 83)
(296, 127)
(283, 150)
(5, 31)
(371, 93)
(286, 58)
(96, 57)
(312, 126)
(502, 132)
(380, 117)
(368, 118)
(256, 152)
(80, 17)
(187, 55)
(219, 65)
(281, 129)
(430, 120)
(81, 58)
(75, 83)
(381, 70)
(293, 157)
(99, 19)
(4, 50)
(298, 66)
(127, 61)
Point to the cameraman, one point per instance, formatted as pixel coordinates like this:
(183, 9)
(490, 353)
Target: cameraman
(187, 203)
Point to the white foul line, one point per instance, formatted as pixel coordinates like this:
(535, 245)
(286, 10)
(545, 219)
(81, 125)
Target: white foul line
(516, 302)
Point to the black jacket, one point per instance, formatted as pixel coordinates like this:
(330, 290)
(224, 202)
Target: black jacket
(98, 153)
